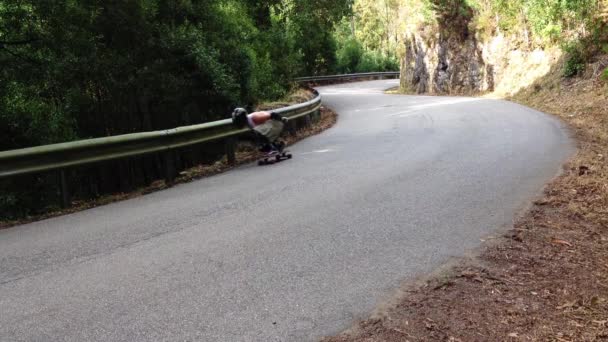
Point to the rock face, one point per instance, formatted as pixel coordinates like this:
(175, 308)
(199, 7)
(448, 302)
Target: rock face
(441, 65)
(457, 65)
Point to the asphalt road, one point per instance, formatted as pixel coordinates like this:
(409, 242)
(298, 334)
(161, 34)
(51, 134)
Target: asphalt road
(290, 252)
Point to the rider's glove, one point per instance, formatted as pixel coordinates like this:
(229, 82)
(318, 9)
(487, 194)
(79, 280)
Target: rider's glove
(275, 116)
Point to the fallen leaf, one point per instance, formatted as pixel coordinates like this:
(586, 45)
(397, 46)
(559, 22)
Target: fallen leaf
(472, 275)
(517, 237)
(514, 335)
(567, 305)
(576, 324)
(595, 300)
(561, 242)
(443, 285)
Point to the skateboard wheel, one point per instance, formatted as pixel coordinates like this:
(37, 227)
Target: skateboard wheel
(289, 156)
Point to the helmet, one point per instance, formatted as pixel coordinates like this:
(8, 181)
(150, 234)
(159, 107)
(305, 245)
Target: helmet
(239, 117)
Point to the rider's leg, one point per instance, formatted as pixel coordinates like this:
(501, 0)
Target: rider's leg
(263, 143)
(280, 145)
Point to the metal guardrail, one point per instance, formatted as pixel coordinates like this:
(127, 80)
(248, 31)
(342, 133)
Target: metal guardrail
(70, 154)
(330, 78)
(64, 155)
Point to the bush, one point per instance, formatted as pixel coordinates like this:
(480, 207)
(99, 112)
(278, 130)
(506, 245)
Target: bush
(574, 66)
(575, 60)
(605, 74)
(376, 61)
(349, 56)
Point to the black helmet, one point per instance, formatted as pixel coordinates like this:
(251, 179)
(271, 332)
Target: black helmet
(239, 117)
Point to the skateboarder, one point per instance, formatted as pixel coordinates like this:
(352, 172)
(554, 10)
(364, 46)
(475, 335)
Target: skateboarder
(266, 125)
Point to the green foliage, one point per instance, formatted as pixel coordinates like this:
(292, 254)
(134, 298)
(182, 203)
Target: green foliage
(349, 56)
(451, 10)
(23, 196)
(376, 24)
(376, 61)
(312, 28)
(91, 68)
(95, 69)
(353, 58)
(605, 75)
(31, 119)
(368, 40)
(574, 65)
(537, 22)
(576, 59)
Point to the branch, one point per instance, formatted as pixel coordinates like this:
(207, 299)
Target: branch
(17, 42)
(25, 58)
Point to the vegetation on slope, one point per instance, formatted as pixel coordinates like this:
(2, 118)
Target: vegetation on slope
(81, 69)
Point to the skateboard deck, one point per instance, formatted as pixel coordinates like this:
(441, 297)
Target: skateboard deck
(274, 157)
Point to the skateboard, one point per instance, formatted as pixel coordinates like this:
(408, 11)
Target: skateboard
(274, 157)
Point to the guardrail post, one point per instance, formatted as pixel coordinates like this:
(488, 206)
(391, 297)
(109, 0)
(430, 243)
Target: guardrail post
(169, 167)
(308, 120)
(231, 150)
(292, 127)
(66, 200)
(317, 116)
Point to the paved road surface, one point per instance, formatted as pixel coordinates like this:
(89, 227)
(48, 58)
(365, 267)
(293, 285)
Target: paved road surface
(290, 252)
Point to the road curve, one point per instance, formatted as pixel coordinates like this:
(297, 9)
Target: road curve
(290, 252)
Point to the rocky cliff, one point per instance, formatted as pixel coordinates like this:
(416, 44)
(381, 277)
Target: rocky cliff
(438, 63)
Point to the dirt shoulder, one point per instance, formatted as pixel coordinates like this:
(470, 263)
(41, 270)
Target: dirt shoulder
(547, 278)
(245, 153)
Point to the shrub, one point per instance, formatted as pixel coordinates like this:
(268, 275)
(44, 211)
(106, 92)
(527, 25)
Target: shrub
(575, 60)
(349, 56)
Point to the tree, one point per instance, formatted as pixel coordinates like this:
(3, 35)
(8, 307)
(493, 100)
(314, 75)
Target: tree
(92, 68)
